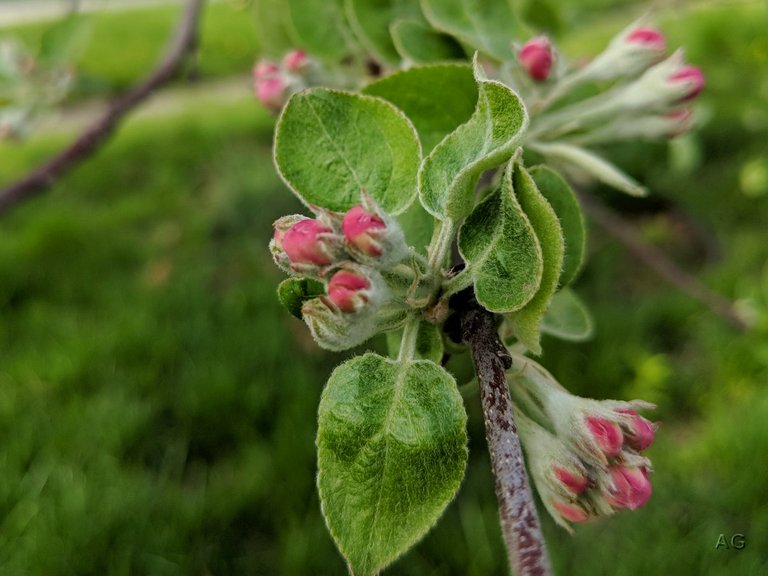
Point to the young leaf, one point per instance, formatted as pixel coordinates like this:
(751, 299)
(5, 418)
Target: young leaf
(370, 21)
(392, 449)
(293, 292)
(420, 44)
(525, 322)
(486, 25)
(563, 201)
(567, 317)
(319, 27)
(592, 164)
(448, 176)
(330, 145)
(436, 98)
(499, 245)
(429, 342)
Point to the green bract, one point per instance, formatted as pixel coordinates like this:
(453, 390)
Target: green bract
(449, 174)
(331, 145)
(501, 250)
(391, 455)
(293, 292)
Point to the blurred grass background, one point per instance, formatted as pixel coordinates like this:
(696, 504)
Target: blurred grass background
(157, 407)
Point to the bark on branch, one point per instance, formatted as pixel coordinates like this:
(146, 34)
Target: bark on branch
(184, 43)
(519, 519)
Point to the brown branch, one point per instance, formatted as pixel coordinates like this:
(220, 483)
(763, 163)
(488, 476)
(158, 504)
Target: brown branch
(626, 233)
(519, 520)
(94, 136)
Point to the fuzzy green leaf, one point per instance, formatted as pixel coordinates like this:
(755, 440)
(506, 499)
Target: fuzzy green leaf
(449, 174)
(568, 317)
(319, 27)
(420, 44)
(429, 342)
(370, 20)
(486, 25)
(293, 292)
(499, 245)
(392, 449)
(563, 201)
(526, 321)
(330, 145)
(436, 98)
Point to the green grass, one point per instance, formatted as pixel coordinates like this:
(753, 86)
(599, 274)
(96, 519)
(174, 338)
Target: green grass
(157, 407)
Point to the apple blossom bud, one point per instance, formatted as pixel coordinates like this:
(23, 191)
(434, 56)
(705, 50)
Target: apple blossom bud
(304, 243)
(575, 482)
(571, 512)
(629, 487)
(348, 291)
(648, 39)
(295, 60)
(692, 77)
(271, 92)
(362, 230)
(536, 58)
(628, 54)
(640, 432)
(265, 69)
(607, 435)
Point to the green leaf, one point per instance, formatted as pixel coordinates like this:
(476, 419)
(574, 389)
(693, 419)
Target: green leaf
(420, 44)
(568, 317)
(417, 225)
(429, 342)
(392, 449)
(331, 145)
(542, 15)
(449, 174)
(593, 165)
(486, 25)
(499, 245)
(370, 20)
(525, 322)
(319, 27)
(436, 98)
(565, 204)
(64, 41)
(293, 292)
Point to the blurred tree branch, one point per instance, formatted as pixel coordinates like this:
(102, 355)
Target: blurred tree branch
(183, 44)
(626, 233)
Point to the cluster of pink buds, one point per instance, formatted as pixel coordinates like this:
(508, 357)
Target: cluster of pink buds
(536, 57)
(274, 82)
(584, 455)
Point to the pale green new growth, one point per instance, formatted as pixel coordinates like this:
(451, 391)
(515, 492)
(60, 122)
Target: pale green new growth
(319, 27)
(391, 455)
(567, 317)
(418, 43)
(436, 98)
(488, 25)
(585, 161)
(563, 201)
(330, 145)
(429, 342)
(500, 247)
(449, 174)
(370, 21)
(525, 322)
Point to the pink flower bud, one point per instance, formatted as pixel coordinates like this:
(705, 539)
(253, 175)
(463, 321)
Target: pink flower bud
(295, 60)
(571, 512)
(347, 291)
(648, 38)
(536, 57)
(607, 435)
(692, 77)
(362, 230)
(573, 481)
(629, 488)
(271, 93)
(303, 243)
(265, 69)
(641, 431)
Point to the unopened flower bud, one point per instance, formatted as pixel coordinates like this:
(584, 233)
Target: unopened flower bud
(271, 92)
(306, 243)
(348, 291)
(574, 481)
(648, 39)
(571, 512)
(606, 434)
(536, 57)
(662, 86)
(362, 230)
(629, 487)
(265, 69)
(693, 80)
(629, 53)
(295, 60)
(639, 432)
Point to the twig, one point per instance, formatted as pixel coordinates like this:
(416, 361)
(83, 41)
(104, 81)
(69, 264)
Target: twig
(94, 136)
(519, 520)
(626, 233)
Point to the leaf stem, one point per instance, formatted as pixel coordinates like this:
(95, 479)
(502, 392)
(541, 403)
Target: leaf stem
(408, 342)
(519, 520)
(440, 245)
